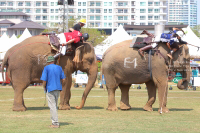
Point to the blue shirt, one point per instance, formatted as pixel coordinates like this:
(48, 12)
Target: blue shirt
(52, 74)
(195, 73)
(167, 36)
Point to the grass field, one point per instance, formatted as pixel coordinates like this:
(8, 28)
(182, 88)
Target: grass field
(184, 115)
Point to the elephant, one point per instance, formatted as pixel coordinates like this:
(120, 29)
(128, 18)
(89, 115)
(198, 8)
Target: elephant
(123, 66)
(25, 62)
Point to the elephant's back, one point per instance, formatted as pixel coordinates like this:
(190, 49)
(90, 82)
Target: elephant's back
(31, 42)
(29, 45)
(120, 50)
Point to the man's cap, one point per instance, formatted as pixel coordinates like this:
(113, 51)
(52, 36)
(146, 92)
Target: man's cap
(50, 59)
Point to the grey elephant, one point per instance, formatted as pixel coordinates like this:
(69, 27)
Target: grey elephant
(26, 60)
(123, 66)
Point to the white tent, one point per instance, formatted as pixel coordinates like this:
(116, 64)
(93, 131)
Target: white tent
(191, 38)
(4, 42)
(118, 36)
(25, 34)
(13, 41)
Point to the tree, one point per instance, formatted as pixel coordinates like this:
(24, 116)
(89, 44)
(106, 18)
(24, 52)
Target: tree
(196, 30)
(18, 36)
(96, 36)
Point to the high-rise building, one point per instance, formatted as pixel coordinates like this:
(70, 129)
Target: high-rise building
(198, 12)
(182, 11)
(101, 14)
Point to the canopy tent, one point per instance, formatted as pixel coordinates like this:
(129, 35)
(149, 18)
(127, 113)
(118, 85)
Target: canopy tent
(6, 43)
(191, 38)
(25, 34)
(193, 64)
(13, 41)
(118, 36)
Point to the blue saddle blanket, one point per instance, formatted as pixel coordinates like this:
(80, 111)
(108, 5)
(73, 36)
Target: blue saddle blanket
(166, 36)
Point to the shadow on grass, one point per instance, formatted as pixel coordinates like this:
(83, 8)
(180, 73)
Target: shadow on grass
(175, 109)
(65, 123)
(37, 108)
(89, 107)
(156, 109)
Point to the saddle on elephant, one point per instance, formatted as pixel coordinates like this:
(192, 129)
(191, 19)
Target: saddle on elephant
(57, 47)
(171, 39)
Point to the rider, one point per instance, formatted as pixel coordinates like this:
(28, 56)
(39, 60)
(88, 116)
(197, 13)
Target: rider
(170, 38)
(70, 37)
(174, 46)
(78, 26)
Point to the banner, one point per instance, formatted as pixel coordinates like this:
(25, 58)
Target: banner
(176, 79)
(196, 81)
(82, 78)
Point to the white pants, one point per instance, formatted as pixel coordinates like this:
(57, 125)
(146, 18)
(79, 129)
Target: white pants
(62, 40)
(52, 103)
(157, 39)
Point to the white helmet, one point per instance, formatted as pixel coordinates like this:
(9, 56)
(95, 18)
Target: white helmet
(180, 33)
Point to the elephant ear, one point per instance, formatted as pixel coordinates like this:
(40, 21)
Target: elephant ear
(78, 55)
(186, 53)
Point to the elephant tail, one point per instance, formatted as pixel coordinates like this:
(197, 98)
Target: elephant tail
(4, 63)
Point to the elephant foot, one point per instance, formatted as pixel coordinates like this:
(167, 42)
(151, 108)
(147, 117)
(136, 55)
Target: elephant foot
(112, 108)
(164, 110)
(124, 106)
(147, 108)
(18, 108)
(78, 107)
(64, 107)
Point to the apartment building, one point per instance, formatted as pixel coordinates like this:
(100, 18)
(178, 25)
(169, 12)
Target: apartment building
(182, 11)
(101, 14)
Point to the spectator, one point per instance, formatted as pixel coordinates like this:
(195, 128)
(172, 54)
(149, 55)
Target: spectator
(195, 72)
(52, 76)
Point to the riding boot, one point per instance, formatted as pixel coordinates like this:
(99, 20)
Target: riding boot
(57, 55)
(170, 54)
(144, 49)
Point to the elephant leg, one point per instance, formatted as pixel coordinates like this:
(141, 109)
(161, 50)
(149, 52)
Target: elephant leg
(124, 103)
(111, 99)
(151, 88)
(65, 94)
(19, 88)
(162, 95)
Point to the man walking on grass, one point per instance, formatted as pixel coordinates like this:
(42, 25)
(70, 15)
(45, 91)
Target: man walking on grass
(52, 76)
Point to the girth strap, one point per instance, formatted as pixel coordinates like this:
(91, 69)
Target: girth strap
(150, 64)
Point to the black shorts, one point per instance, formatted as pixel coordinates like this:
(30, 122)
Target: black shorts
(174, 45)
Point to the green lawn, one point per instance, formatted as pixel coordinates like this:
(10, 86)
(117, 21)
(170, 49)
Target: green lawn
(184, 115)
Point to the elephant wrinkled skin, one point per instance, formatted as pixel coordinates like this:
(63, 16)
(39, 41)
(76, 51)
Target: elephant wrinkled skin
(123, 66)
(26, 61)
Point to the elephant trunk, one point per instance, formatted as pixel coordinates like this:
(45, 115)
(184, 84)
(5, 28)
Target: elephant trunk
(183, 83)
(92, 75)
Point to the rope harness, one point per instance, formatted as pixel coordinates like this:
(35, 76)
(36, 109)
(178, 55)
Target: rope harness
(25, 46)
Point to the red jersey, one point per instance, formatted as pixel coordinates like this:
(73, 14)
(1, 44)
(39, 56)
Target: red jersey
(73, 35)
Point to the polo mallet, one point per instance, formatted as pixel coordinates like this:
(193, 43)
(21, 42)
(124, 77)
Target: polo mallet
(194, 46)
